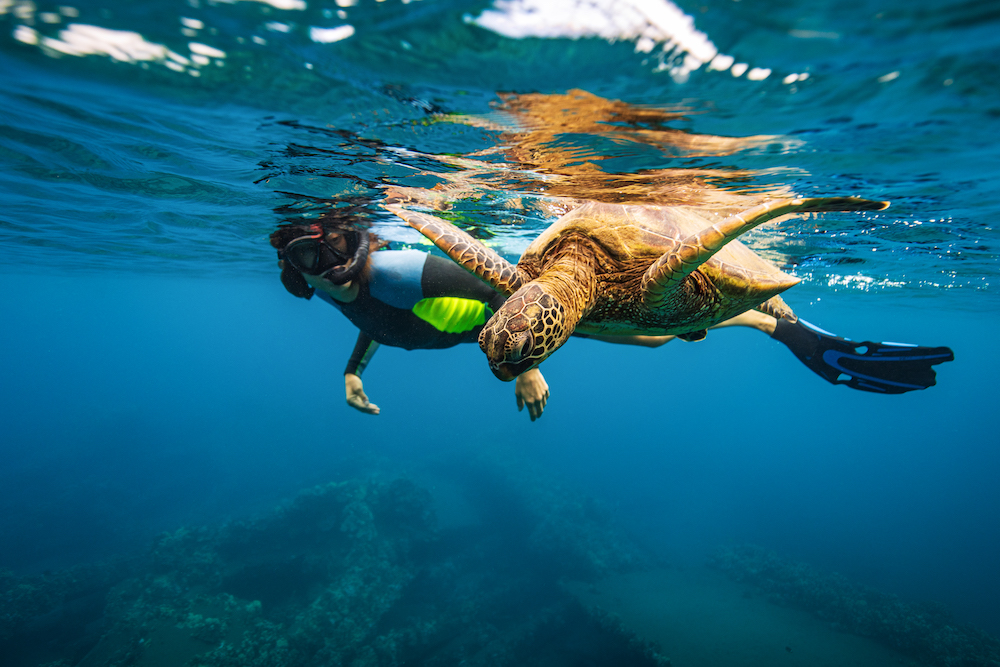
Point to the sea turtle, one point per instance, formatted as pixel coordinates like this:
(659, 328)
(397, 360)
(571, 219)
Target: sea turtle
(623, 269)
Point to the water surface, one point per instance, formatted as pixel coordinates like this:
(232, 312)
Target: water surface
(156, 374)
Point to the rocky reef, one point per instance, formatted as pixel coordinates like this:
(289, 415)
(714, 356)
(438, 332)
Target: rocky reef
(356, 573)
(926, 632)
(55, 615)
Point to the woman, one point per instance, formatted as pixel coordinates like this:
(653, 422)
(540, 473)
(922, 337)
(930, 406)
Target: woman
(402, 298)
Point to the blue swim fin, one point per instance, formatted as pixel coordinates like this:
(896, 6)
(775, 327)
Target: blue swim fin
(884, 368)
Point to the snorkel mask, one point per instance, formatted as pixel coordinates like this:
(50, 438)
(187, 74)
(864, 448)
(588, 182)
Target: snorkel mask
(312, 253)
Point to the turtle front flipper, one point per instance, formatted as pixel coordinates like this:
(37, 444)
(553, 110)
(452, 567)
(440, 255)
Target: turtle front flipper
(666, 274)
(485, 263)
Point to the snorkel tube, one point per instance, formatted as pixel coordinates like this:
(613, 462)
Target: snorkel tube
(338, 275)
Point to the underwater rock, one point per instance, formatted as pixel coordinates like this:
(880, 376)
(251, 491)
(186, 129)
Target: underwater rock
(357, 573)
(926, 632)
(47, 616)
(312, 578)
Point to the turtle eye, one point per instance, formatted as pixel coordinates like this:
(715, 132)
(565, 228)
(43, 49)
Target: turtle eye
(519, 346)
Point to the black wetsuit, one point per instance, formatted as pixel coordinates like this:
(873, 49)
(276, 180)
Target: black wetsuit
(416, 301)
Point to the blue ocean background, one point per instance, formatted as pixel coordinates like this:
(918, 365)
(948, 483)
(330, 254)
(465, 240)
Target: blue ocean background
(154, 373)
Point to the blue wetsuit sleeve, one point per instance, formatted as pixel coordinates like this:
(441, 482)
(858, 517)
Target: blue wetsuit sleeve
(364, 349)
(443, 277)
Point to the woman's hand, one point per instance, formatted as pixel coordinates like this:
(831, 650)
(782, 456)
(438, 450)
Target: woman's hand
(356, 395)
(531, 389)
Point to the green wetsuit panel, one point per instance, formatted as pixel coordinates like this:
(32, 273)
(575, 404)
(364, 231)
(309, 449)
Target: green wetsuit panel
(452, 314)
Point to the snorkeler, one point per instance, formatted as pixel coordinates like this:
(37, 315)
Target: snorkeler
(402, 298)
(416, 300)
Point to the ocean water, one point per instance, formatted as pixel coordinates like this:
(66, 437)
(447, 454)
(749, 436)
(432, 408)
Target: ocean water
(155, 375)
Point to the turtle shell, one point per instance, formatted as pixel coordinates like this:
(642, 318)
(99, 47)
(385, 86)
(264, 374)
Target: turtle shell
(626, 240)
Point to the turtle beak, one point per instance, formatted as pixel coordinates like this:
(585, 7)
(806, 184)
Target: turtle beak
(507, 371)
(503, 372)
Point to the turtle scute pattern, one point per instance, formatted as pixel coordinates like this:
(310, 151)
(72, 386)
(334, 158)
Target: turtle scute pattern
(521, 339)
(624, 241)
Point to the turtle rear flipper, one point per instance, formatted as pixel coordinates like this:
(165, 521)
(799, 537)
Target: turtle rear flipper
(883, 368)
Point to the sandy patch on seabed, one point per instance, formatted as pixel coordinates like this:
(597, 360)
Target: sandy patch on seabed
(700, 618)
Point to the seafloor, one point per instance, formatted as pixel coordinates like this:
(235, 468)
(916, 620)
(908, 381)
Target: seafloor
(365, 572)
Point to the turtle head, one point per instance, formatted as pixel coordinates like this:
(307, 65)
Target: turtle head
(529, 327)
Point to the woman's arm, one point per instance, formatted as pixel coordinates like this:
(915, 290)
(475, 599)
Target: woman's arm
(353, 387)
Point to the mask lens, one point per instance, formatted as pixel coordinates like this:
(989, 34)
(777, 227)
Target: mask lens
(304, 254)
(331, 257)
(313, 255)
